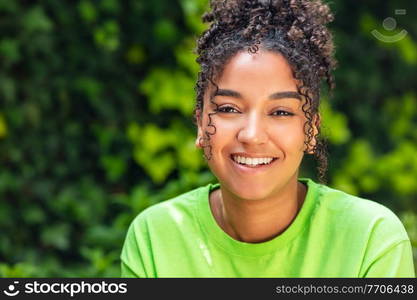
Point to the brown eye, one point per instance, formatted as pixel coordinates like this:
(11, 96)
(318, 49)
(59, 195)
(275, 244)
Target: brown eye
(284, 113)
(226, 109)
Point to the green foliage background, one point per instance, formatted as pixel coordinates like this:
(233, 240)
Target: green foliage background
(95, 122)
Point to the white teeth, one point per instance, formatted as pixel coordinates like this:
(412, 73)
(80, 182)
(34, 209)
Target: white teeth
(252, 161)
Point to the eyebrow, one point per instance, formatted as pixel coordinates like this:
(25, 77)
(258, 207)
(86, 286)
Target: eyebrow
(274, 96)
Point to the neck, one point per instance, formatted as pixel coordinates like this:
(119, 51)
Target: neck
(255, 221)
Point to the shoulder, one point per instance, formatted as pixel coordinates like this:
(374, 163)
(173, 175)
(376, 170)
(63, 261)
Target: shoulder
(175, 209)
(359, 214)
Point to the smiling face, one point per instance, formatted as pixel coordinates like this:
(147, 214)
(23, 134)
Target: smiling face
(258, 145)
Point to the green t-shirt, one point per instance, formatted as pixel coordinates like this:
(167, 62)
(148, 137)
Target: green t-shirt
(334, 235)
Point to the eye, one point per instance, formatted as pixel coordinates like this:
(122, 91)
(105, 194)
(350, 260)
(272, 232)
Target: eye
(226, 109)
(282, 113)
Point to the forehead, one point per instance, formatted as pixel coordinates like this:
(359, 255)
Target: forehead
(264, 70)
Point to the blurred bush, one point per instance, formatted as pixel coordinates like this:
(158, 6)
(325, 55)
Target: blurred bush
(95, 122)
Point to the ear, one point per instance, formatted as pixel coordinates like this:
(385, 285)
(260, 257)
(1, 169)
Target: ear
(316, 125)
(199, 138)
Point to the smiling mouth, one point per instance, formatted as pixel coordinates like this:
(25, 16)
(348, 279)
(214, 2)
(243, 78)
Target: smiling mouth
(252, 162)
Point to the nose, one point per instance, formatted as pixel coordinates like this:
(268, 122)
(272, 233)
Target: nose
(253, 131)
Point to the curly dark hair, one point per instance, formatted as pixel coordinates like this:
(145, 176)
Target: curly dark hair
(294, 28)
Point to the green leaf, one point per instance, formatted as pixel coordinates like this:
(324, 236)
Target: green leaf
(334, 124)
(56, 235)
(165, 32)
(87, 11)
(35, 20)
(9, 50)
(169, 90)
(106, 36)
(3, 127)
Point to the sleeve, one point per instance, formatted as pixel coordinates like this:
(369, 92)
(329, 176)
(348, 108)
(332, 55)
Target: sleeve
(132, 257)
(396, 261)
(127, 272)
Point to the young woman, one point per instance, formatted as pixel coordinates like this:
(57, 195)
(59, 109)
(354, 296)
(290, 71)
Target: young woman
(258, 95)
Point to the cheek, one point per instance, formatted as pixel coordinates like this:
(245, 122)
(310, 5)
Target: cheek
(225, 133)
(220, 142)
(215, 133)
(289, 137)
